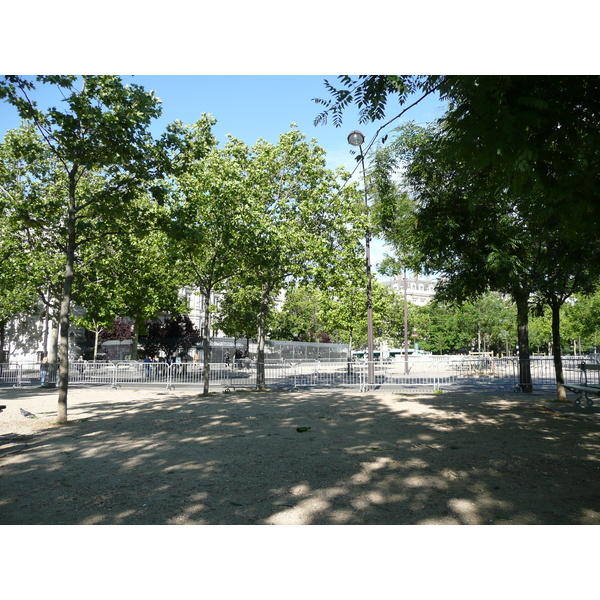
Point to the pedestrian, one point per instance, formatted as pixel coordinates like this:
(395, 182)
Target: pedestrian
(80, 366)
(44, 371)
(227, 358)
(184, 359)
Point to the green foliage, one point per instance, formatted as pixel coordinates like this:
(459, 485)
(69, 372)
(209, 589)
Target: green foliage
(479, 234)
(539, 131)
(101, 156)
(536, 131)
(369, 93)
(135, 276)
(485, 324)
(299, 317)
(31, 236)
(238, 310)
(184, 146)
(20, 275)
(300, 220)
(207, 209)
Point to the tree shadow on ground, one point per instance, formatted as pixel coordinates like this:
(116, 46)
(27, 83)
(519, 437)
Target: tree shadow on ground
(365, 459)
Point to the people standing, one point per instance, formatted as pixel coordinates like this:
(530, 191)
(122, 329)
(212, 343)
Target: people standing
(147, 363)
(44, 371)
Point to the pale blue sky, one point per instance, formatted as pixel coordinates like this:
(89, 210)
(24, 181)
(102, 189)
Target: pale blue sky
(253, 106)
(256, 106)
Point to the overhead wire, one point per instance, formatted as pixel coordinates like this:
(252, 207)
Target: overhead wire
(381, 128)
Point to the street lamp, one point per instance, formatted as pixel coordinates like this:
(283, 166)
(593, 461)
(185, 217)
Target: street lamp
(405, 325)
(356, 138)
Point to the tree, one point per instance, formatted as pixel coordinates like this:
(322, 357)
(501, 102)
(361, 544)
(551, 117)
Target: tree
(583, 314)
(463, 226)
(208, 216)
(370, 94)
(571, 265)
(18, 278)
(344, 313)
(541, 132)
(442, 328)
(169, 335)
(480, 236)
(300, 316)
(237, 311)
(100, 141)
(134, 276)
(300, 215)
(30, 269)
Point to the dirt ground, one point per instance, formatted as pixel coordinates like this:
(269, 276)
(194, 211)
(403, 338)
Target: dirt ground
(141, 456)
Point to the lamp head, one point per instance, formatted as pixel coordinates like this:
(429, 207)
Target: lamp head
(356, 138)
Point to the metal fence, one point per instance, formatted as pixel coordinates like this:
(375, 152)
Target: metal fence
(419, 374)
(503, 374)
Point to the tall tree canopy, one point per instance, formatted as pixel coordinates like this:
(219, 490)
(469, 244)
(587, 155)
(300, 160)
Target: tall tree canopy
(480, 235)
(300, 216)
(103, 157)
(208, 215)
(538, 131)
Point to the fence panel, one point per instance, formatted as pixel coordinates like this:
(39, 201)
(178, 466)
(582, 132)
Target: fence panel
(10, 374)
(421, 376)
(328, 374)
(467, 373)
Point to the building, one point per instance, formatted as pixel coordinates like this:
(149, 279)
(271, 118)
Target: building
(419, 290)
(195, 303)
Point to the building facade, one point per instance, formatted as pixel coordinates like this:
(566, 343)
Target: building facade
(419, 290)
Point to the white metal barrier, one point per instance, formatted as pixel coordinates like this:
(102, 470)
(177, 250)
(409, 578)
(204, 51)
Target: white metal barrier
(500, 374)
(11, 374)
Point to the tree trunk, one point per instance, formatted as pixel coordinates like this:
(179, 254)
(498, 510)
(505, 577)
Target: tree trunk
(65, 305)
(2, 328)
(97, 332)
(556, 348)
(262, 322)
(63, 351)
(350, 352)
(134, 340)
(206, 341)
(522, 302)
(45, 338)
(53, 345)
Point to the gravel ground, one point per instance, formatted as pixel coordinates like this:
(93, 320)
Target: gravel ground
(140, 456)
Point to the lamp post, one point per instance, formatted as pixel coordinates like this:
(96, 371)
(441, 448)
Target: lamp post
(406, 369)
(356, 138)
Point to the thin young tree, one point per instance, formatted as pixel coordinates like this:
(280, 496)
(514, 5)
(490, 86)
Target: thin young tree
(301, 216)
(208, 216)
(100, 141)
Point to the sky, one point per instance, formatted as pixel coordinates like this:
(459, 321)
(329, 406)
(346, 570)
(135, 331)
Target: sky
(250, 107)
